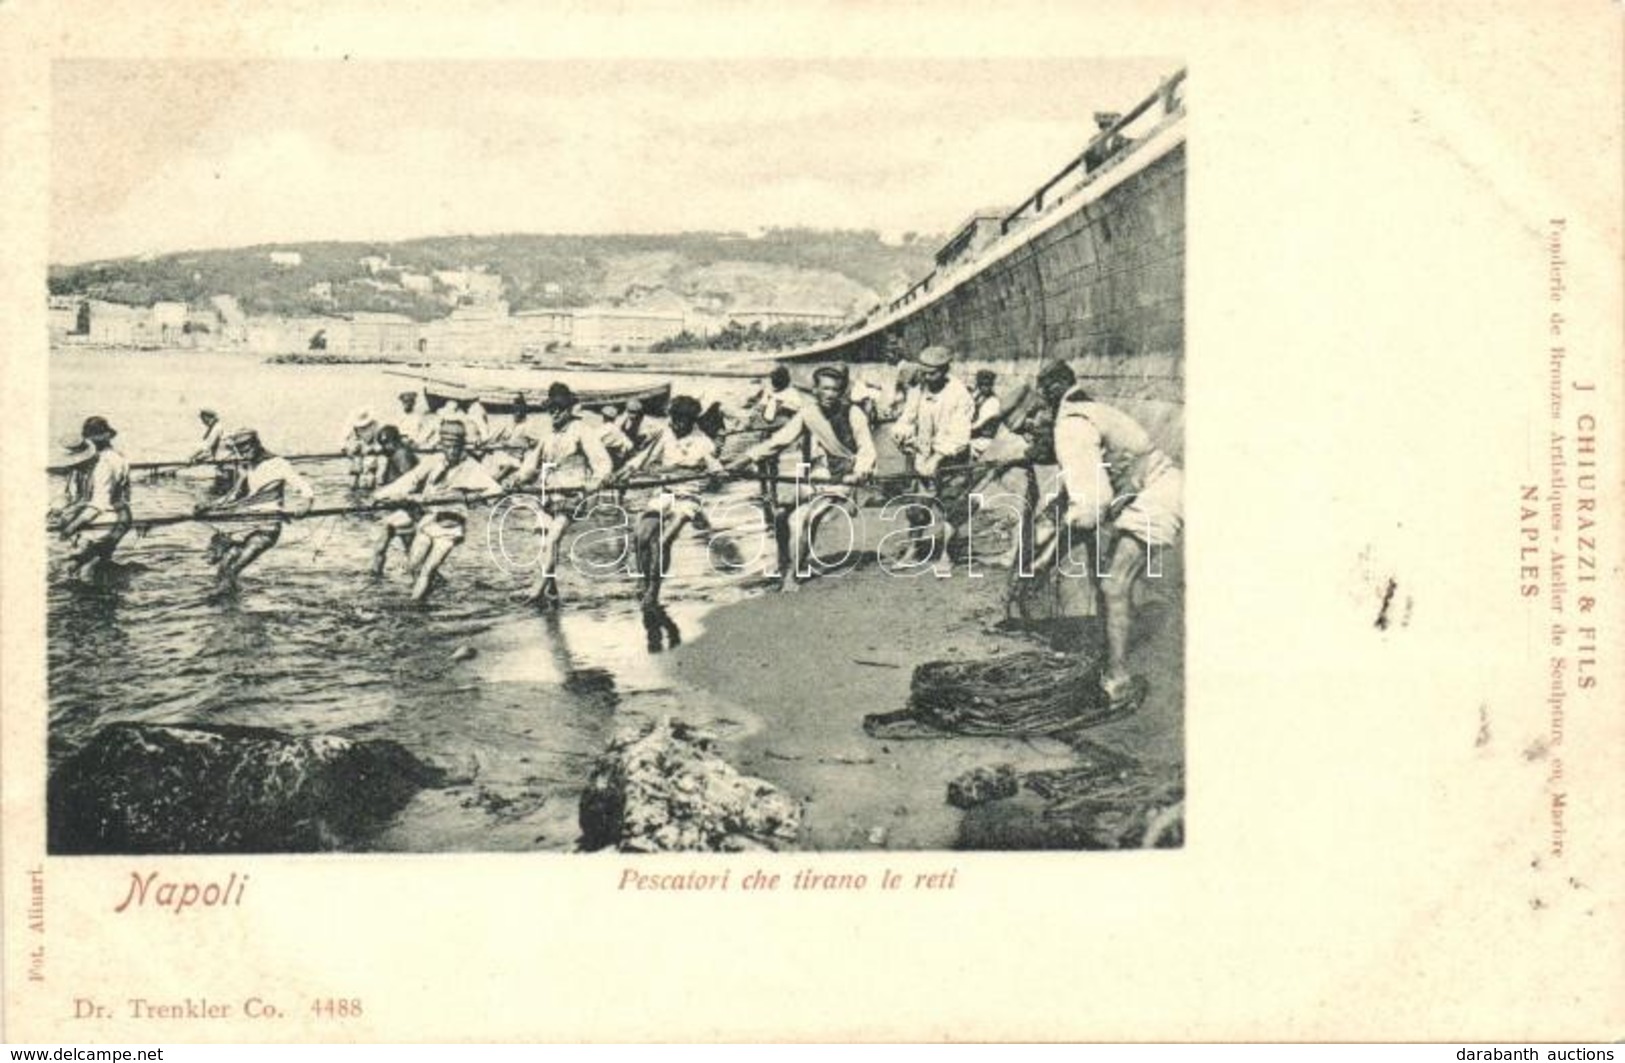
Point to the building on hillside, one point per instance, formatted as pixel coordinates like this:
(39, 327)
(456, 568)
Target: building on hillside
(471, 333)
(168, 323)
(373, 263)
(421, 283)
(117, 325)
(63, 316)
(297, 335)
(373, 335)
(534, 331)
(286, 259)
(611, 328)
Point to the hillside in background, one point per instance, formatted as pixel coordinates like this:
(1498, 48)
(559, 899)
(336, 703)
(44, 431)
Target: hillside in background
(826, 271)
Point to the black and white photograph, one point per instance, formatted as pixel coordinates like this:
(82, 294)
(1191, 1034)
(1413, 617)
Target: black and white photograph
(694, 521)
(648, 456)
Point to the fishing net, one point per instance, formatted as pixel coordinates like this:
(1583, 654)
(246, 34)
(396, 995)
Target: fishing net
(1108, 799)
(1014, 695)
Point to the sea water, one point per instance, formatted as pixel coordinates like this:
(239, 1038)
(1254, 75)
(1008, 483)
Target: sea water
(310, 644)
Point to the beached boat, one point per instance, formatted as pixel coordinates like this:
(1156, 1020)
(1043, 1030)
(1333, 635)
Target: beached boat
(502, 401)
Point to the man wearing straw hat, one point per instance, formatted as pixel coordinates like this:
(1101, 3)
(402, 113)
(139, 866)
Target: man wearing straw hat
(98, 511)
(268, 485)
(435, 494)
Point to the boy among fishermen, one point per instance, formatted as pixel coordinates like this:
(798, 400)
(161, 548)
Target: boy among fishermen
(436, 492)
(267, 485)
(680, 446)
(398, 459)
(835, 443)
(98, 511)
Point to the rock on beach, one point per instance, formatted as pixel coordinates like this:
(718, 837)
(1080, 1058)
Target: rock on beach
(661, 787)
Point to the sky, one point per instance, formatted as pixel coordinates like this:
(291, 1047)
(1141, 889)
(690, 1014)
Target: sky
(156, 157)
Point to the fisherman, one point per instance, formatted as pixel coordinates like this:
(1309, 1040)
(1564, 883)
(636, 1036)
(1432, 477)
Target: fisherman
(836, 444)
(360, 444)
(681, 446)
(213, 449)
(1123, 495)
(566, 437)
(472, 412)
(616, 442)
(213, 446)
(98, 511)
(778, 399)
(268, 485)
(934, 433)
(631, 424)
(398, 459)
(420, 428)
(986, 413)
(506, 443)
(436, 492)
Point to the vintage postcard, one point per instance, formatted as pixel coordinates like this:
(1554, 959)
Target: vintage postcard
(679, 523)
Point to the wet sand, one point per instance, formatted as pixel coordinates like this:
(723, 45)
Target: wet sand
(810, 665)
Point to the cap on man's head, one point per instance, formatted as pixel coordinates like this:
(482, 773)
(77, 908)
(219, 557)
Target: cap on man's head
(935, 357)
(210, 414)
(609, 413)
(408, 396)
(559, 396)
(363, 418)
(450, 430)
(244, 439)
(835, 371)
(634, 406)
(97, 428)
(1107, 119)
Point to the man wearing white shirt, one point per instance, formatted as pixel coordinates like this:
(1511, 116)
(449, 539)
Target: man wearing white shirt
(935, 435)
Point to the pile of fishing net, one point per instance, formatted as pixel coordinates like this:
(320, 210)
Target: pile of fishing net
(1013, 695)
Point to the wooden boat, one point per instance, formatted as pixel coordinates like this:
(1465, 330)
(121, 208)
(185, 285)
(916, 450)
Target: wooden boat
(502, 401)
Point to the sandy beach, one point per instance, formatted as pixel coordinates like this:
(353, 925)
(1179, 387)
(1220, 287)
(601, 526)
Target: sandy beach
(810, 665)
